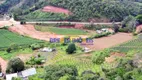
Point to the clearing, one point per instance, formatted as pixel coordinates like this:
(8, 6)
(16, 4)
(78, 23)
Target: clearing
(56, 10)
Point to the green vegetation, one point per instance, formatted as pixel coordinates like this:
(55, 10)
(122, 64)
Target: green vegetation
(44, 16)
(133, 45)
(99, 56)
(62, 31)
(56, 72)
(100, 35)
(96, 27)
(9, 39)
(15, 65)
(139, 18)
(83, 10)
(5, 55)
(71, 48)
(35, 60)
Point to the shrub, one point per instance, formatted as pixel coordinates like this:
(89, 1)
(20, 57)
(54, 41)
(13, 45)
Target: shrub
(18, 78)
(89, 75)
(139, 18)
(8, 50)
(55, 72)
(71, 48)
(101, 35)
(35, 46)
(22, 22)
(15, 65)
(99, 56)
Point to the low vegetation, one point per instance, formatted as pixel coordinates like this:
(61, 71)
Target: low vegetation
(61, 31)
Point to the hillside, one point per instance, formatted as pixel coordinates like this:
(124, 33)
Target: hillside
(83, 10)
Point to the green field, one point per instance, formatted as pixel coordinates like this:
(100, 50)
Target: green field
(8, 38)
(133, 45)
(61, 31)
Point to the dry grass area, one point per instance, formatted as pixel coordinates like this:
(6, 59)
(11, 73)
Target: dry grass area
(114, 56)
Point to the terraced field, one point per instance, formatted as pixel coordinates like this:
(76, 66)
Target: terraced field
(133, 45)
(8, 38)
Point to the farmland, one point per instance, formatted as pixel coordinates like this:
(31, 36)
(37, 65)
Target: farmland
(133, 45)
(61, 31)
(8, 38)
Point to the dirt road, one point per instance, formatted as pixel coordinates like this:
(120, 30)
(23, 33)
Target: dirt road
(3, 64)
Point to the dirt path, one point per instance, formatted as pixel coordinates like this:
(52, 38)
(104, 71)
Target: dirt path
(3, 64)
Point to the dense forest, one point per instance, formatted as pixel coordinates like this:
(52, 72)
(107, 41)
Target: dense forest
(83, 10)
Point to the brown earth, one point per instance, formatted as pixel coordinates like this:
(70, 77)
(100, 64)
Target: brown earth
(30, 31)
(56, 10)
(139, 29)
(107, 42)
(3, 64)
(113, 57)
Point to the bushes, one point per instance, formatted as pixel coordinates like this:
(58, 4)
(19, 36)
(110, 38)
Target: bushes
(71, 48)
(55, 72)
(139, 18)
(34, 61)
(99, 56)
(22, 22)
(36, 46)
(15, 65)
(128, 24)
(101, 35)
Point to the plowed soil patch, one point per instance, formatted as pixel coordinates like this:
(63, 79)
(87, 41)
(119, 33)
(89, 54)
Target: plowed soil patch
(56, 10)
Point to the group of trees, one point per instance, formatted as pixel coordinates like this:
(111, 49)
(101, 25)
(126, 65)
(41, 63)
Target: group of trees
(83, 10)
(68, 72)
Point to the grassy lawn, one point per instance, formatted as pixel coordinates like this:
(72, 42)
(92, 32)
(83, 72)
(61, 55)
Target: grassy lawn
(8, 56)
(61, 31)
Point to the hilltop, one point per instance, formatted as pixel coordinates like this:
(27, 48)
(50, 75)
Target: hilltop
(82, 10)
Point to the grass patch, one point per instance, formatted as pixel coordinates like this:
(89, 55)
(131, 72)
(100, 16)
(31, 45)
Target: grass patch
(61, 31)
(8, 56)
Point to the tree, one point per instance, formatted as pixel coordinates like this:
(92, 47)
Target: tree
(139, 18)
(71, 48)
(116, 27)
(8, 50)
(55, 72)
(15, 65)
(89, 75)
(0, 69)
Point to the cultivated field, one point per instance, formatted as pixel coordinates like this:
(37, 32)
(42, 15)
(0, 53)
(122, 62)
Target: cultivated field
(133, 45)
(109, 41)
(8, 38)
